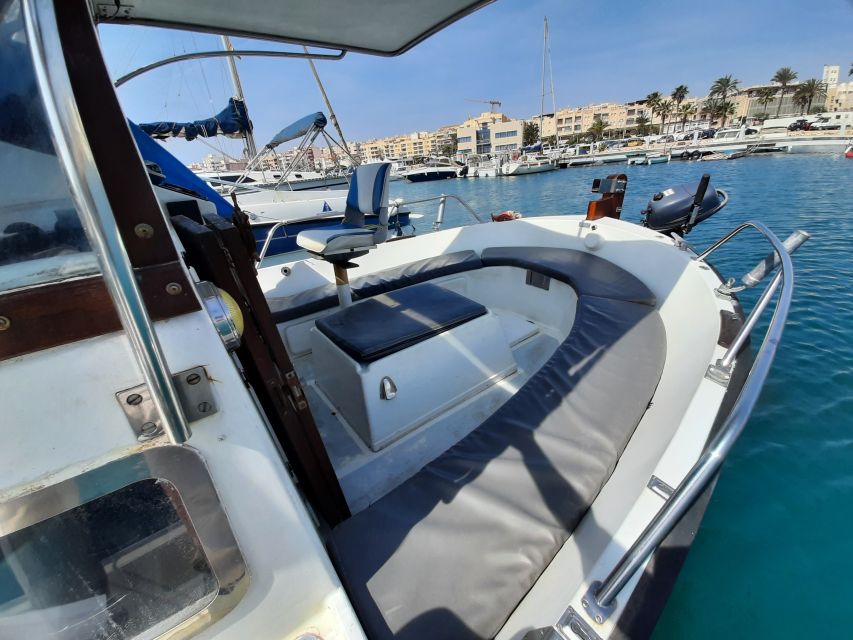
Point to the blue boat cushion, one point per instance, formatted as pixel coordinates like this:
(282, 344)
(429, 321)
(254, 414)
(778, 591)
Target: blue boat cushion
(586, 273)
(390, 322)
(325, 297)
(451, 552)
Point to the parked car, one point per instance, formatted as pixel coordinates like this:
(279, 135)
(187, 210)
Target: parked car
(800, 125)
(824, 124)
(666, 138)
(707, 133)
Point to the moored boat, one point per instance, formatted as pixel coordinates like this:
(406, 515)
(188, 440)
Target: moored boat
(524, 415)
(528, 163)
(432, 169)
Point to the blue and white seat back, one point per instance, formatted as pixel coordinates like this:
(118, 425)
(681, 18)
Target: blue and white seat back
(368, 195)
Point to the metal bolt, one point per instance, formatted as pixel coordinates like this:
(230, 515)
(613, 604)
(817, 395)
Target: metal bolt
(193, 378)
(204, 407)
(134, 399)
(5, 323)
(585, 603)
(174, 289)
(149, 428)
(143, 230)
(599, 619)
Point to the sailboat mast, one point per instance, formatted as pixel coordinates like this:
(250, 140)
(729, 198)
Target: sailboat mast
(542, 101)
(251, 150)
(332, 115)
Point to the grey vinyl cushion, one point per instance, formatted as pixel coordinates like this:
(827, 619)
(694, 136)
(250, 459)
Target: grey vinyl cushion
(586, 273)
(452, 551)
(390, 322)
(325, 297)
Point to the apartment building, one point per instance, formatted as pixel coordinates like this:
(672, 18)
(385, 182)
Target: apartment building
(489, 132)
(571, 121)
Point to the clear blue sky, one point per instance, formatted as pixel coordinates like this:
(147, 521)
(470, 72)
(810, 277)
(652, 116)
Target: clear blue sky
(601, 52)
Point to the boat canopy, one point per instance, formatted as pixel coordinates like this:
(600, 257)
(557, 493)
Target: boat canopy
(233, 121)
(175, 173)
(383, 27)
(298, 129)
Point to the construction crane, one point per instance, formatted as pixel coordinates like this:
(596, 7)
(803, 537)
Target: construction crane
(493, 103)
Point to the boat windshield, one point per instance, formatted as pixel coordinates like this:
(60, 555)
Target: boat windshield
(41, 237)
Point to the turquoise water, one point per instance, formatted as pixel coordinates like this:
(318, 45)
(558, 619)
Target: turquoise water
(774, 556)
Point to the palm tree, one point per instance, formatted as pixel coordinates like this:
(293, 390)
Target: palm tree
(664, 110)
(812, 89)
(784, 76)
(709, 109)
(597, 128)
(801, 100)
(678, 94)
(642, 123)
(652, 101)
(723, 109)
(765, 96)
(722, 88)
(686, 111)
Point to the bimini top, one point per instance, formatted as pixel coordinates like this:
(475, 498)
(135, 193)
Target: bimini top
(383, 27)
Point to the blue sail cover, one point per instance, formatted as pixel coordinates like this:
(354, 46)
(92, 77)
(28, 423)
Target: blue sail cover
(298, 129)
(233, 121)
(176, 173)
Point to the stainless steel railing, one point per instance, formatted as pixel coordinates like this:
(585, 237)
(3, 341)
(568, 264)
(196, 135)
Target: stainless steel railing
(394, 207)
(87, 190)
(600, 599)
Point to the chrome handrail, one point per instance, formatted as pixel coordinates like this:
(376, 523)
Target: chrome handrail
(600, 599)
(442, 201)
(268, 240)
(394, 207)
(84, 181)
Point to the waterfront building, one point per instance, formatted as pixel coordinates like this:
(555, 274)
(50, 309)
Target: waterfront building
(488, 133)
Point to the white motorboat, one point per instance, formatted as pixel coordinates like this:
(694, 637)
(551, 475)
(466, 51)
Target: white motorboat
(657, 158)
(483, 166)
(528, 163)
(224, 181)
(432, 169)
(495, 431)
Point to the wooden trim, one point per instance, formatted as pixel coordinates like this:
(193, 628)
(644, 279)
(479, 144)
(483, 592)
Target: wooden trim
(66, 311)
(71, 310)
(123, 175)
(218, 254)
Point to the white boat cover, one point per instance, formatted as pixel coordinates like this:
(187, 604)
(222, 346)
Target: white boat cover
(384, 27)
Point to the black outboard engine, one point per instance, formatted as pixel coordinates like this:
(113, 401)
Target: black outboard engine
(681, 208)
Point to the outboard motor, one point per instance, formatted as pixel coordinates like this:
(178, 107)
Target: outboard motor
(681, 208)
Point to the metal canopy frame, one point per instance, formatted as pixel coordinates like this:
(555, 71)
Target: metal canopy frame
(227, 54)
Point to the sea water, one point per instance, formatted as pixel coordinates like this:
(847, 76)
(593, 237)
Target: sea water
(774, 555)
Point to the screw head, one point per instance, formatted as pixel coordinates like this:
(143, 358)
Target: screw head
(149, 428)
(599, 619)
(174, 289)
(143, 230)
(193, 378)
(5, 323)
(134, 399)
(204, 407)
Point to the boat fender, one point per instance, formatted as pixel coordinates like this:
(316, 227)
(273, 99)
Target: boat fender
(695, 155)
(505, 216)
(685, 155)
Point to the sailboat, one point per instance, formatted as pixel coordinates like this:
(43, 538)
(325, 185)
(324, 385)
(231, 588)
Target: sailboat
(533, 160)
